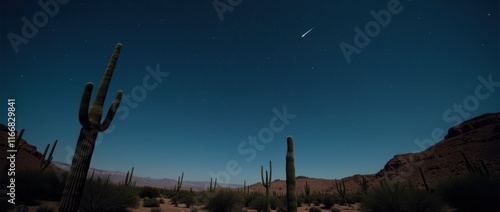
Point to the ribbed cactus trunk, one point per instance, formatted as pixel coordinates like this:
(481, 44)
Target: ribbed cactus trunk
(90, 119)
(291, 195)
(266, 182)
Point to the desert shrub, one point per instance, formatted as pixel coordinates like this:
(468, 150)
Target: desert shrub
(188, 200)
(397, 197)
(355, 198)
(248, 199)
(259, 203)
(316, 203)
(156, 210)
(203, 197)
(471, 193)
(148, 191)
(335, 210)
(46, 208)
(102, 195)
(277, 202)
(328, 201)
(225, 201)
(314, 209)
(150, 202)
(300, 200)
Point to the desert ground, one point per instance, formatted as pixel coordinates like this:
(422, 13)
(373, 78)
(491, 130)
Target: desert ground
(168, 207)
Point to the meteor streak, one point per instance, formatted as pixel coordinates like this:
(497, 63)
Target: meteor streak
(307, 32)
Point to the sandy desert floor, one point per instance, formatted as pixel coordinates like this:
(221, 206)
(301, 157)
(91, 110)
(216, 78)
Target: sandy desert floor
(167, 207)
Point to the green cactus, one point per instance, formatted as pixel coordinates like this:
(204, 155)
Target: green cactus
(266, 182)
(291, 195)
(128, 179)
(178, 189)
(423, 178)
(307, 189)
(44, 163)
(212, 188)
(342, 191)
(90, 119)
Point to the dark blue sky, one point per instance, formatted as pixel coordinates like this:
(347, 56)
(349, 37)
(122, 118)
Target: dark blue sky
(428, 67)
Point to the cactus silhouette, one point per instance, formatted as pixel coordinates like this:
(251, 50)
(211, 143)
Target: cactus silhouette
(342, 191)
(212, 188)
(291, 195)
(128, 178)
(266, 182)
(90, 119)
(178, 189)
(45, 162)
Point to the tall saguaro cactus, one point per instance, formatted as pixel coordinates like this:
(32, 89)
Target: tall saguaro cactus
(90, 119)
(266, 182)
(291, 194)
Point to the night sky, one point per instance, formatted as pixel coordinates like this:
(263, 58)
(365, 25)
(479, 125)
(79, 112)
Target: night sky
(204, 84)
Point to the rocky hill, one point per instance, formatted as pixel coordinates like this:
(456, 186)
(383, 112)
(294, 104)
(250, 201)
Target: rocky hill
(477, 138)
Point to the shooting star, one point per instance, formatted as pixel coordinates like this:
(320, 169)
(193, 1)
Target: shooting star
(307, 32)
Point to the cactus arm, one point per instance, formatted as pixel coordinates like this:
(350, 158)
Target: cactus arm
(95, 111)
(111, 112)
(83, 114)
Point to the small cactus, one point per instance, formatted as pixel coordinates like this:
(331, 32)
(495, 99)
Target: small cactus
(341, 189)
(267, 184)
(45, 162)
(307, 189)
(178, 189)
(212, 188)
(128, 178)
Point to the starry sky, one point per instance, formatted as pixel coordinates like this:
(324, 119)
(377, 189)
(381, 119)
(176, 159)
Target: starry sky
(214, 87)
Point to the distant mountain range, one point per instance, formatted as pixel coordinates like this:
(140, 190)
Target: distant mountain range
(477, 138)
(116, 176)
